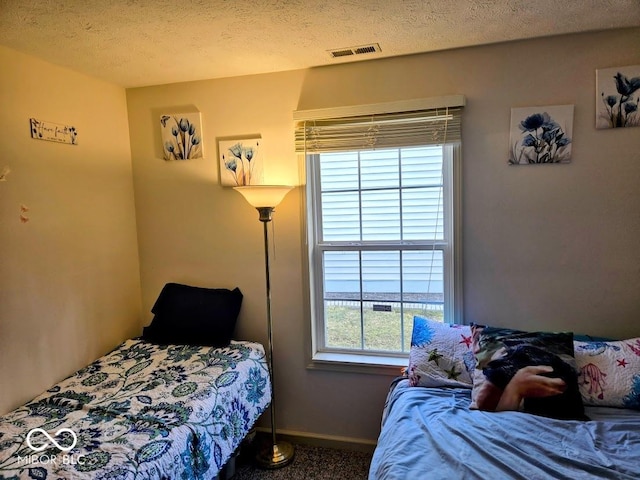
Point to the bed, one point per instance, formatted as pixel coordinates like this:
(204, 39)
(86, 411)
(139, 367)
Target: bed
(431, 428)
(150, 409)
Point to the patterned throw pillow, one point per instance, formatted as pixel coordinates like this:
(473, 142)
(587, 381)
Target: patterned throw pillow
(501, 352)
(438, 354)
(609, 373)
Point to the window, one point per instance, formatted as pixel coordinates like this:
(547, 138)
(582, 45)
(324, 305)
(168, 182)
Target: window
(381, 229)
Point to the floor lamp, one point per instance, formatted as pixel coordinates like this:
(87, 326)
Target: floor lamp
(265, 198)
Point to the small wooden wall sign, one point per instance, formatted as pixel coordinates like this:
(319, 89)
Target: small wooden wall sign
(53, 132)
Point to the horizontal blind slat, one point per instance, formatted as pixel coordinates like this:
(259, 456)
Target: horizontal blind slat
(404, 129)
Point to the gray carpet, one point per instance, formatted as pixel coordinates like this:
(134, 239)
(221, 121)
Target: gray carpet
(310, 463)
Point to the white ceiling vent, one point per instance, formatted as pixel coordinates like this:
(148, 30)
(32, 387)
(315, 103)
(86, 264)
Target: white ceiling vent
(362, 49)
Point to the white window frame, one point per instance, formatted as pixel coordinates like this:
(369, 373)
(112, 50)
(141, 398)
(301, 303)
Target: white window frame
(371, 361)
(359, 362)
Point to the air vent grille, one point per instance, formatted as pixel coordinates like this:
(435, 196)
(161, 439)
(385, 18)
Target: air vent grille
(341, 53)
(359, 50)
(367, 49)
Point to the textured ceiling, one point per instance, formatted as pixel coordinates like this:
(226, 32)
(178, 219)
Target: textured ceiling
(148, 42)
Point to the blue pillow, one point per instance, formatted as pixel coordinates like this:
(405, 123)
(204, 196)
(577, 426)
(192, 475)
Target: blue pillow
(589, 338)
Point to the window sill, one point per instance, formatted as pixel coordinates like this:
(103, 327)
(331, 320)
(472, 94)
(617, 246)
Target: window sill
(356, 363)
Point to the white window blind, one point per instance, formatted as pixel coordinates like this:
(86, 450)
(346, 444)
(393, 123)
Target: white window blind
(379, 126)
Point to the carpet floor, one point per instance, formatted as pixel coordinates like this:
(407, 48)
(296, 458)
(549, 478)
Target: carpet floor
(310, 463)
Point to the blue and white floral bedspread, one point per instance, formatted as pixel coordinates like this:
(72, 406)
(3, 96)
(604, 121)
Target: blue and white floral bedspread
(143, 411)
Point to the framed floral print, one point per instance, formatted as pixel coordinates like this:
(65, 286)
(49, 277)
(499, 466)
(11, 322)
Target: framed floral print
(240, 161)
(541, 135)
(181, 136)
(617, 97)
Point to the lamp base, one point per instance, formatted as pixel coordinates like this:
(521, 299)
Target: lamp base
(270, 455)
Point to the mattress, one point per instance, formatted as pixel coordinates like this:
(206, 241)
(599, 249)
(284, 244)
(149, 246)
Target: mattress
(430, 433)
(143, 411)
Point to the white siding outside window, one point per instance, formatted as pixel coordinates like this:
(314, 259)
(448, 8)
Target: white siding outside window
(380, 245)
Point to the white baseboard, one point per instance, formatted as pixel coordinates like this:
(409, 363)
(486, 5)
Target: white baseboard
(327, 441)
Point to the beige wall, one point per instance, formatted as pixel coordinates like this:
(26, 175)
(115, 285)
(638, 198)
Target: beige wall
(548, 247)
(69, 277)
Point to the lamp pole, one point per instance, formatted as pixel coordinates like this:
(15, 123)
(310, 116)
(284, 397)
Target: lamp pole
(273, 454)
(277, 454)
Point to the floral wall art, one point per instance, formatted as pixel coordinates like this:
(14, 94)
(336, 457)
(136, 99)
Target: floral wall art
(240, 162)
(181, 136)
(541, 135)
(617, 97)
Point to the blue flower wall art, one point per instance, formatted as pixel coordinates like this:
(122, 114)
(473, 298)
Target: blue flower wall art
(240, 162)
(617, 97)
(541, 135)
(181, 136)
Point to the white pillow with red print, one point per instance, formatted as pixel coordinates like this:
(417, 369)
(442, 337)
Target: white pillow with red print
(609, 372)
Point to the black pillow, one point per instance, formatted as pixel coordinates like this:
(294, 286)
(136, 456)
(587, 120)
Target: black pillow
(187, 315)
(564, 406)
(501, 352)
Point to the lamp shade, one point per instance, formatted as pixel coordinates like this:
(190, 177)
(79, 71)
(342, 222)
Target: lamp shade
(261, 196)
